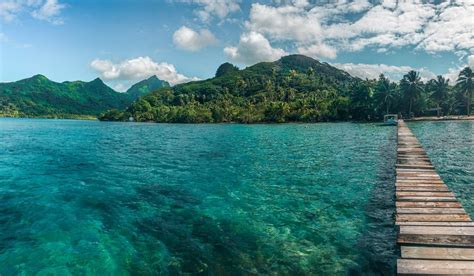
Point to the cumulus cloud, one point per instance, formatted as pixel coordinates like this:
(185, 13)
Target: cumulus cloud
(372, 71)
(283, 23)
(355, 25)
(9, 10)
(46, 10)
(253, 47)
(50, 12)
(191, 40)
(214, 8)
(138, 69)
(452, 29)
(318, 51)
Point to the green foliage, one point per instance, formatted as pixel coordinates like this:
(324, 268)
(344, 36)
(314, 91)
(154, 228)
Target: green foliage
(466, 86)
(146, 86)
(40, 97)
(293, 89)
(412, 88)
(226, 68)
(439, 89)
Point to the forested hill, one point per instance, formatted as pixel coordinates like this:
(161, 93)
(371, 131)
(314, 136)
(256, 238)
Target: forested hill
(40, 97)
(297, 88)
(145, 86)
(294, 88)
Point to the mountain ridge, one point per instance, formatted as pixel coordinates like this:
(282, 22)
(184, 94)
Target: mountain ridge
(38, 96)
(278, 91)
(145, 86)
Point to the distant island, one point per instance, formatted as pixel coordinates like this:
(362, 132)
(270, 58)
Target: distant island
(297, 88)
(40, 97)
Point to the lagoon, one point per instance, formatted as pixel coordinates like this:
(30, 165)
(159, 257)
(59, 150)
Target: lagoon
(88, 197)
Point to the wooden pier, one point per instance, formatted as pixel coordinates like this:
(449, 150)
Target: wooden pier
(436, 235)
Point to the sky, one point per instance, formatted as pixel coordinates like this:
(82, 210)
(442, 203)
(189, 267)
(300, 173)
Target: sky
(125, 41)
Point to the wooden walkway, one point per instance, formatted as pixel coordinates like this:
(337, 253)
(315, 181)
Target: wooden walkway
(436, 235)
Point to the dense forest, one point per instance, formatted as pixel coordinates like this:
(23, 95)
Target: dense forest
(40, 97)
(297, 88)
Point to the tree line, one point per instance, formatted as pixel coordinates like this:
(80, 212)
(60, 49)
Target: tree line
(273, 94)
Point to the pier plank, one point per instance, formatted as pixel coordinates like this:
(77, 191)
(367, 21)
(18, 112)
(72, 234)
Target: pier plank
(427, 204)
(419, 198)
(425, 194)
(414, 210)
(440, 240)
(433, 217)
(437, 253)
(434, 267)
(439, 188)
(437, 230)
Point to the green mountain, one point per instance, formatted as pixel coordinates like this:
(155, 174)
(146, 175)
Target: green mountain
(145, 86)
(40, 97)
(294, 88)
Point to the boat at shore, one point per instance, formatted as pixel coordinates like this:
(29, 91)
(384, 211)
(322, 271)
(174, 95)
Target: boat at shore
(390, 120)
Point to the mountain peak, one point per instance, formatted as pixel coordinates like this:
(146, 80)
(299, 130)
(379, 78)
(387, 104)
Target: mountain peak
(39, 77)
(297, 57)
(226, 68)
(153, 78)
(145, 86)
(298, 60)
(97, 80)
(39, 96)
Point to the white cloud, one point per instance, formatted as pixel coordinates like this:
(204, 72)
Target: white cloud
(8, 10)
(190, 40)
(253, 47)
(453, 73)
(210, 8)
(318, 51)
(372, 71)
(356, 25)
(121, 87)
(46, 10)
(138, 69)
(470, 61)
(452, 29)
(50, 12)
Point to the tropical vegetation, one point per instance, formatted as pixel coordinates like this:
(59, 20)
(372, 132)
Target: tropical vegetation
(296, 88)
(40, 97)
(466, 86)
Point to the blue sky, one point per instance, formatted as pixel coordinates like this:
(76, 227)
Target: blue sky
(124, 41)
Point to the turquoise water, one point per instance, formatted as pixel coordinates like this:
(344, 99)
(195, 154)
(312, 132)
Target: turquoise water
(85, 197)
(450, 145)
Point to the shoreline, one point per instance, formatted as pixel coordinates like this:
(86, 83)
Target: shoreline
(72, 117)
(92, 118)
(443, 118)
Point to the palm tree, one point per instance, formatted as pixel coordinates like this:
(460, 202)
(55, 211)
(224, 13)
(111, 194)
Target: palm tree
(411, 87)
(439, 90)
(465, 83)
(384, 92)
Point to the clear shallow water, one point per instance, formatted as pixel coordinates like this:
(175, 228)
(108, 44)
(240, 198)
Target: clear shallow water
(450, 146)
(85, 197)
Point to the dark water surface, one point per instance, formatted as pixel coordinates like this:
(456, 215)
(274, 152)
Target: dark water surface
(85, 197)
